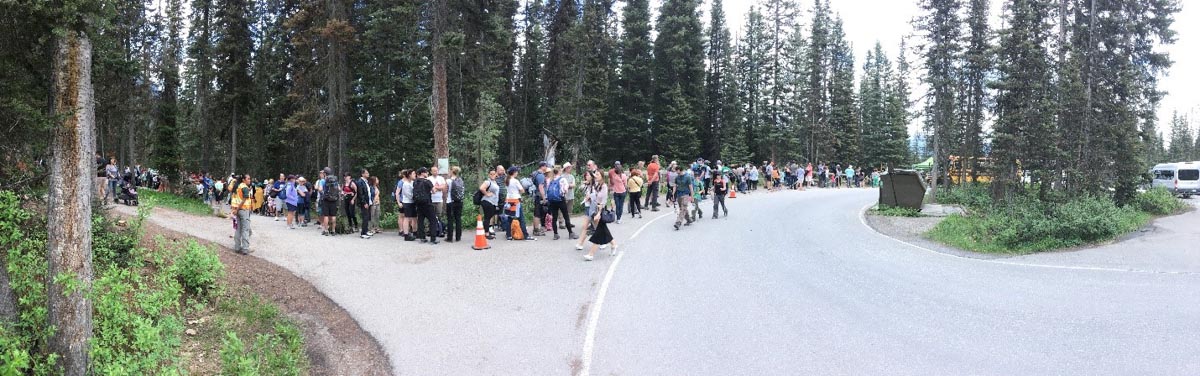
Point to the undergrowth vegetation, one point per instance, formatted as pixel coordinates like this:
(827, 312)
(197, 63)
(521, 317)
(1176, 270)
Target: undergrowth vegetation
(141, 297)
(1024, 224)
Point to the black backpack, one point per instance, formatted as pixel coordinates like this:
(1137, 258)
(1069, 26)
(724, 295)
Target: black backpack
(422, 191)
(332, 192)
(478, 197)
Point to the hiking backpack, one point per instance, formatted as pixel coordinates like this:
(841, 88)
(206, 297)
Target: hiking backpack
(331, 191)
(554, 191)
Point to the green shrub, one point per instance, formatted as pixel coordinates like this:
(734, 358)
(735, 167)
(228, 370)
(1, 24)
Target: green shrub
(198, 268)
(278, 346)
(234, 358)
(968, 195)
(895, 211)
(187, 204)
(1159, 201)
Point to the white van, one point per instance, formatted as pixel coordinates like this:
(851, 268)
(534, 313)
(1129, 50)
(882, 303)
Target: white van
(1182, 178)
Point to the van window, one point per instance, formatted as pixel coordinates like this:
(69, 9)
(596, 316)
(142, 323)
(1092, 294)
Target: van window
(1164, 174)
(1189, 174)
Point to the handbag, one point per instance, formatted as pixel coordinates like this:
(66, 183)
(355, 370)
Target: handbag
(608, 216)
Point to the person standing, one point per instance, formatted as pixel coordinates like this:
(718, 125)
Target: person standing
(501, 181)
(652, 184)
(556, 197)
(597, 197)
(349, 202)
(423, 188)
(672, 175)
(331, 194)
(849, 176)
(513, 204)
(302, 201)
(362, 201)
(242, 204)
(720, 188)
(291, 200)
(408, 208)
(112, 175)
(634, 185)
(376, 227)
(683, 196)
(540, 205)
(439, 197)
(568, 179)
(101, 181)
(616, 182)
(454, 205)
(490, 202)
(279, 197)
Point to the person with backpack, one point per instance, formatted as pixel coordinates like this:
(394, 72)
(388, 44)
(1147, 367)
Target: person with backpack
(556, 197)
(349, 193)
(568, 180)
(683, 196)
(302, 201)
(720, 189)
(423, 200)
(540, 204)
(454, 205)
(439, 197)
(635, 185)
(277, 197)
(331, 194)
(501, 181)
(487, 197)
(362, 202)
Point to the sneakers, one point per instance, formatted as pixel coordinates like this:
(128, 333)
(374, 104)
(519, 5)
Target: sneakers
(555, 236)
(365, 236)
(618, 221)
(613, 251)
(714, 215)
(676, 226)
(572, 236)
(578, 247)
(587, 257)
(276, 219)
(324, 233)
(726, 214)
(434, 242)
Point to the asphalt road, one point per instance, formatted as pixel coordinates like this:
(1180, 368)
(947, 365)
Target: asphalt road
(791, 283)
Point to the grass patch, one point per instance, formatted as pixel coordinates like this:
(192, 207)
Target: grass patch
(190, 205)
(142, 294)
(895, 211)
(1023, 224)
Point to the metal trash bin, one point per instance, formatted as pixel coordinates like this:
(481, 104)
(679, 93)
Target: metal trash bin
(902, 188)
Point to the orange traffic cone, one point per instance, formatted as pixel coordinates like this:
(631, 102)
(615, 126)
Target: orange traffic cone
(480, 236)
(733, 193)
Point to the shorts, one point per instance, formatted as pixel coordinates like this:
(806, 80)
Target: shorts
(292, 208)
(279, 203)
(410, 210)
(329, 208)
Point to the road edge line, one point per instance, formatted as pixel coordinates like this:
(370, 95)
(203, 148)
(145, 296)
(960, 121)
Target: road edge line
(589, 339)
(862, 217)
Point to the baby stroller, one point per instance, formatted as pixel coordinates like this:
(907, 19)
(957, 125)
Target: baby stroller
(128, 193)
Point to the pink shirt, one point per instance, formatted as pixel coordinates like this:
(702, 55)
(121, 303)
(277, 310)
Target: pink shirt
(616, 181)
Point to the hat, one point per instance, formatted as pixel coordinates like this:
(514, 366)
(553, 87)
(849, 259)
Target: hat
(513, 170)
(567, 165)
(290, 177)
(327, 171)
(422, 170)
(617, 163)
(543, 164)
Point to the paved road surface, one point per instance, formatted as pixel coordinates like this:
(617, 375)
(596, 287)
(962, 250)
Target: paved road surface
(792, 283)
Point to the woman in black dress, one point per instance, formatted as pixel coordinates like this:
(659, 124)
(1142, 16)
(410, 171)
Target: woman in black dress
(597, 197)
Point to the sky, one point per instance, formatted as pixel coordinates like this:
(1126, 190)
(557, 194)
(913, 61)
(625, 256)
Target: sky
(887, 21)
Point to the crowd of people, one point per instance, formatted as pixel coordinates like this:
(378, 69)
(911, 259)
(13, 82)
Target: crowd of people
(121, 184)
(430, 202)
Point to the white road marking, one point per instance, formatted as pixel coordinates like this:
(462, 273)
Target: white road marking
(589, 341)
(862, 217)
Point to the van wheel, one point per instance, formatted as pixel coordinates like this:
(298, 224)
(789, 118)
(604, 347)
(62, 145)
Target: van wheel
(1186, 197)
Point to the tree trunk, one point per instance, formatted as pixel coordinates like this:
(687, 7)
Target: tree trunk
(441, 128)
(233, 128)
(8, 301)
(69, 243)
(934, 171)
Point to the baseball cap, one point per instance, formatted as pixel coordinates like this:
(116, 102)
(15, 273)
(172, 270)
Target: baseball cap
(567, 165)
(617, 163)
(512, 170)
(543, 164)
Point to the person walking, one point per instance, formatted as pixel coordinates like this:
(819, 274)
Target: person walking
(698, 187)
(423, 188)
(454, 204)
(652, 179)
(616, 182)
(635, 185)
(672, 175)
(490, 201)
(242, 204)
(556, 197)
(597, 197)
(362, 202)
(682, 194)
(331, 194)
(512, 203)
(720, 188)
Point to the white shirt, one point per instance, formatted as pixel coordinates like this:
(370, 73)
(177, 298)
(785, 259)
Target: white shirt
(514, 189)
(438, 181)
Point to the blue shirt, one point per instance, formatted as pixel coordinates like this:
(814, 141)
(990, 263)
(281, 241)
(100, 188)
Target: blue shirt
(683, 185)
(539, 180)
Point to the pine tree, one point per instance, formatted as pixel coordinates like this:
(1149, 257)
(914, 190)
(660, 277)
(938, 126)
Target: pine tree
(558, 82)
(679, 59)
(752, 51)
(884, 136)
(717, 85)
(528, 107)
(941, 28)
(166, 157)
(1181, 146)
(780, 22)
(233, 50)
(201, 56)
(816, 94)
(1024, 134)
(843, 105)
(393, 62)
(635, 84)
(977, 63)
(899, 109)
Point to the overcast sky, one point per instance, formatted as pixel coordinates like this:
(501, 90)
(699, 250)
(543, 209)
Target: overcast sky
(887, 21)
